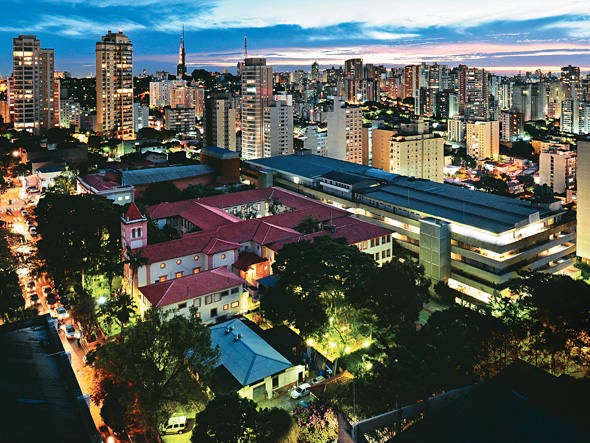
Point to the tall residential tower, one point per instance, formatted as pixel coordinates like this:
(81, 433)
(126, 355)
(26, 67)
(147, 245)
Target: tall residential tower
(114, 86)
(181, 67)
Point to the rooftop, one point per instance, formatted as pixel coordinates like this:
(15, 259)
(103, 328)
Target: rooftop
(99, 182)
(194, 285)
(41, 399)
(474, 208)
(248, 359)
(169, 173)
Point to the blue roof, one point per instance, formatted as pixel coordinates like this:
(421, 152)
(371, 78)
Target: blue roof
(168, 173)
(249, 359)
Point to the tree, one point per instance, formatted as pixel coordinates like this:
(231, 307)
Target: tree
(317, 422)
(317, 280)
(134, 260)
(489, 183)
(158, 366)
(12, 302)
(199, 191)
(245, 424)
(119, 309)
(543, 194)
(161, 192)
(64, 183)
(309, 225)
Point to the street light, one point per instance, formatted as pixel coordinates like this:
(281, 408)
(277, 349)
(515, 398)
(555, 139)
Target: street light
(102, 300)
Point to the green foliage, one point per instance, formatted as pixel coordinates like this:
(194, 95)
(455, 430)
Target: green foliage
(317, 281)
(119, 309)
(522, 149)
(12, 303)
(199, 191)
(64, 183)
(309, 225)
(243, 425)
(154, 134)
(317, 423)
(543, 194)
(489, 183)
(161, 192)
(80, 234)
(461, 158)
(158, 366)
(156, 235)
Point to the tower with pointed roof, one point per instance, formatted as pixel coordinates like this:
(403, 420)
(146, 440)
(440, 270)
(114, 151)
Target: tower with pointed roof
(133, 228)
(181, 67)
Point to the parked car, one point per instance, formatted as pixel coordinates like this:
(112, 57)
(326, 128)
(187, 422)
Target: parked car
(300, 391)
(34, 299)
(175, 425)
(51, 301)
(47, 290)
(316, 380)
(24, 212)
(70, 331)
(62, 313)
(31, 283)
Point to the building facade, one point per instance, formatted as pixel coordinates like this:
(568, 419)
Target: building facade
(482, 139)
(114, 86)
(278, 129)
(345, 132)
(557, 169)
(220, 122)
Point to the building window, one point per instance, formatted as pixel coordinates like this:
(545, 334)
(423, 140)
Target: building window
(217, 297)
(224, 293)
(235, 290)
(181, 305)
(179, 274)
(179, 261)
(372, 242)
(225, 307)
(196, 258)
(198, 315)
(162, 278)
(213, 312)
(196, 270)
(275, 381)
(208, 299)
(223, 256)
(197, 302)
(162, 265)
(235, 304)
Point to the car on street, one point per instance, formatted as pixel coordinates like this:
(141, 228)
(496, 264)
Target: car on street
(31, 284)
(51, 301)
(24, 212)
(70, 331)
(47, 290)
(300, 391)
(316, 380)
(34, 299)
(62, 313)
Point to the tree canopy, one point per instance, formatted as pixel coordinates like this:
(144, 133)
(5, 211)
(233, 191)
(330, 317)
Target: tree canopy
(157, 366)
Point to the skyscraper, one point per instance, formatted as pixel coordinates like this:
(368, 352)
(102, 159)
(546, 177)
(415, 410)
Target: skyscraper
(483, 139)
(583, 201)
(256, 94)
(345, 124)
(220, 122)
(278, 127)
(181, 67)
(32, 85)
(114, 86)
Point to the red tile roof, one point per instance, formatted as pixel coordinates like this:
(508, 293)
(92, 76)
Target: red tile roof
(99, 182)
(133, 213)
(191, 286)
(247, 259)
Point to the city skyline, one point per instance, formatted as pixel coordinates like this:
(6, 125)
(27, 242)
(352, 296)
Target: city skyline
(502, 36)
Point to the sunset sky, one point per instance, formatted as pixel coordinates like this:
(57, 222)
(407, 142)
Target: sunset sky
(505, 35)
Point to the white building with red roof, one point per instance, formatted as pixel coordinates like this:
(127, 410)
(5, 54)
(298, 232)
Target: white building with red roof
(237, 234)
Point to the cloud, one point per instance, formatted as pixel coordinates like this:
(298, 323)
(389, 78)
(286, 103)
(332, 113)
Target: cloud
(403, 14)
(574, 28)
(72, 26)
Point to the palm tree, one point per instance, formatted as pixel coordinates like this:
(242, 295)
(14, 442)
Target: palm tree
(135, 261)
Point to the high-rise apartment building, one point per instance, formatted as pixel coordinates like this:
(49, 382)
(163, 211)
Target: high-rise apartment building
(473, 93)
(256, 94)
(456, 129)
(483, 139)
(114, 86)
(32, 86)
(512, 126)
(583, 201)
(220, 122)
(584, 118)
(411, 85)
(557, 168)
(570, 116)
(278, 128)
(417, 155)
(345, 124)
(141, 117)
(180, 120)
(570, 76)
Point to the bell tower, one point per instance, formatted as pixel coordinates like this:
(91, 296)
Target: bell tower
(133, 228)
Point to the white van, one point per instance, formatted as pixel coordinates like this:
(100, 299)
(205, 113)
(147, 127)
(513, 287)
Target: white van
(300, 391)
(176, 425)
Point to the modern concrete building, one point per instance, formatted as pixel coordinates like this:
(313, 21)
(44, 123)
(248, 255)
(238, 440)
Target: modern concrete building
(114, 86)
(256, 95)
(482, 139)
(456, 129)
(32, 85)
(345, 132)
(420, 155)
(278, 129)
(474, 241)
(583, 200)
(220, 122)
(141, 117)
(557, 168)
(180, 120)
(570, 116)
(512, 126)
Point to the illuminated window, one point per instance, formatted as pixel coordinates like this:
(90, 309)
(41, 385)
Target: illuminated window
(162, 265)
(223, 256)
(162, 278)
(196, 258)
(179, 274)
(225, 307)
(235, 304)
(179, 261)
(198, 315)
